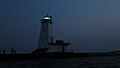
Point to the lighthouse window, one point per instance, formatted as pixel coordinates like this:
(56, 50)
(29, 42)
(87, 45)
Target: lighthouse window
(46, 17)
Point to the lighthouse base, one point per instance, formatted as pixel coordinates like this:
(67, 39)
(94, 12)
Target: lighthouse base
(40, 51)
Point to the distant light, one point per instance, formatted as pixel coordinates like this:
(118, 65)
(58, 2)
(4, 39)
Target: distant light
(46, 17)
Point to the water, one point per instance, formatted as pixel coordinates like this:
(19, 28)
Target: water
(86, 62)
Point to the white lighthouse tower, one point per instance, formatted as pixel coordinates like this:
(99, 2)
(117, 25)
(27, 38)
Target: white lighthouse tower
(46, 43)
(45, 32)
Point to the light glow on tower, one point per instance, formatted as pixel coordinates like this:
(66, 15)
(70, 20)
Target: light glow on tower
(46, 17)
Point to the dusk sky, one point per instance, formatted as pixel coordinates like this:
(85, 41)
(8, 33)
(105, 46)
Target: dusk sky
(90, 25)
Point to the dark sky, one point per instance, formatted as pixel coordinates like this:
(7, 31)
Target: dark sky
(90, 25)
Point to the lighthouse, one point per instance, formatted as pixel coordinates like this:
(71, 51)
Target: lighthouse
(46, 42)
(45, 32)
